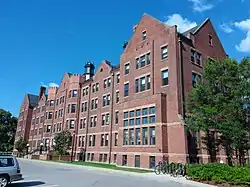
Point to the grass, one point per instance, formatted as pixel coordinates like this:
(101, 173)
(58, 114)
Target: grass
(108, 166)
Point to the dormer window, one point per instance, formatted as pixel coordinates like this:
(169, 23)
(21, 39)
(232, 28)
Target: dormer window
(210, 40)
(144, 35)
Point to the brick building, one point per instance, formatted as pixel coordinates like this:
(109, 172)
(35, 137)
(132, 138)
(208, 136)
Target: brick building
(130, 114)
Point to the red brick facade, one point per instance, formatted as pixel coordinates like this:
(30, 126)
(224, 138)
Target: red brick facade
(155, 73)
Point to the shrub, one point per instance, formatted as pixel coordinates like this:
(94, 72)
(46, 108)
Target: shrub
(219, 173)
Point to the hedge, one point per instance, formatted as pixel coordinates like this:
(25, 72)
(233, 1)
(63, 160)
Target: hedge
(219, 173)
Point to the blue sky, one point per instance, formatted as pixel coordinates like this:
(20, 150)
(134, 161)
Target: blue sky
(42, 39)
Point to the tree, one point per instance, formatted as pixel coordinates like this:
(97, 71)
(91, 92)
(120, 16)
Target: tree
(216, 105)
(20, 145)
(8, 124)
(62, 142)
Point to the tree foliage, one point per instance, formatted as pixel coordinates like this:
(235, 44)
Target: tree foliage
(20, 145)
(216, 104)
(8, 125)
(62, 142)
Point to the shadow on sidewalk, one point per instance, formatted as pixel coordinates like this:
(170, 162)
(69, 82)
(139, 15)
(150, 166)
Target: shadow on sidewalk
(27, 184)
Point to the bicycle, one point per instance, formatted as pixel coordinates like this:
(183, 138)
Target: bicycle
(179, 170)
(163, 167)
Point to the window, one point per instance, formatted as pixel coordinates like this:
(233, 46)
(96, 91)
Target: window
(97, 87)
(67, 124)
(81, 123)
(152, 135)
(152, 162)
(125, 123)
(148, 82)
(138, 112)
(73, 108)
(116, 139)
(152, 119)
(138, 121)
(93, 88)
(102, 139)
(95, 121)
(92, 157)
(57, 102)
(131, 136)
(51, 103)
(96, 103)
(103, 119)
(91, 121)
(143, 60)
(210, 38)
(48, 128)
(6, 162)
(114, 158)
(85, 106)
(116, 117)
(105, 158)
(100, 157)
(104, 98)
(152, 110)
(83, 141)
(125, 137)
(92, 104)
(106, 139)
(124, 160)
(90, 140)
(79, 141)
(164, 52)
(93, 142)
(196, 78)
(145, 111)
(136, 85)
(137, 161)
(126, 69)
(72, 124)
(83, 92)
(118, 78)
(105, 83)
(74, 93)
(198, 58)
(84, 122)
(108, 100)
(117, 97)
(144, 35)
(138, 136)
(107, 119)
(164, 75)
(142, 84)
(131, 113)
(109, 82)
(126, 89)
(50, 115)
(148, 58)
(131, 122)
(144, 136)
(192, 55)
(137, 62)
(125, 115)
(70, 93)
(145, 120)
(87, 91)
(56, 114)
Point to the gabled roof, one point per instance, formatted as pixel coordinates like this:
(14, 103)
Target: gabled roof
(33, 99)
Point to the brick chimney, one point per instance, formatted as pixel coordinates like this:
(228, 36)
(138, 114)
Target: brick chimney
(42, 91)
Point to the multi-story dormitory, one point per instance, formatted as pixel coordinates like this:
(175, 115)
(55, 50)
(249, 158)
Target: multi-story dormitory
(130, 114)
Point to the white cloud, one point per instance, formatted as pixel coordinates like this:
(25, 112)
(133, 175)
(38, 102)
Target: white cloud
(52, 84)
(226, 28)
(44, 85)
(183, 24)
(244, 45)
(201, 5)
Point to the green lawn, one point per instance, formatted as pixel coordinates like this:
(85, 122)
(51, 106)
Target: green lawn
(108, 166)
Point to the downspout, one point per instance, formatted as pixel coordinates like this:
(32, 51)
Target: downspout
(87, 125)
(111, 117)
(153, 67)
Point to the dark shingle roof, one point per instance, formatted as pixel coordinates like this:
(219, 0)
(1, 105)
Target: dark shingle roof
(33, 99)
(192, 30)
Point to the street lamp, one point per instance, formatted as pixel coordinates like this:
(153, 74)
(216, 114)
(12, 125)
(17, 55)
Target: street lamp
(27, 148)
(72, 150)
(41, 148)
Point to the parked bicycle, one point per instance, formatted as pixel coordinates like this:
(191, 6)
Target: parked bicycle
(173, 169)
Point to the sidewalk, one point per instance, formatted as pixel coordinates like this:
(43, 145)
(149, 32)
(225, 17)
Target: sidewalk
(145, 176)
